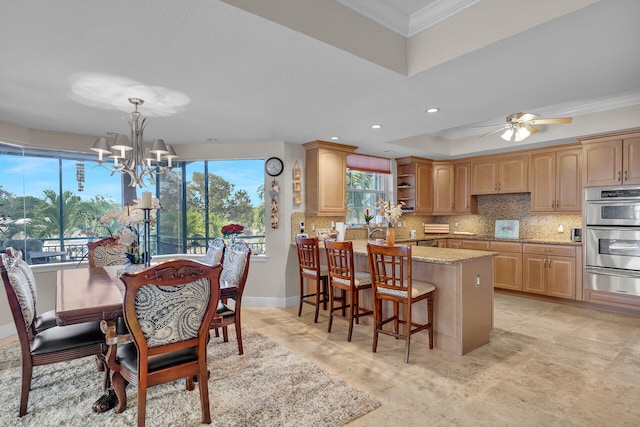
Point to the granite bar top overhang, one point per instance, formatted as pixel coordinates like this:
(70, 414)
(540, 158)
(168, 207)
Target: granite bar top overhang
(432, 255)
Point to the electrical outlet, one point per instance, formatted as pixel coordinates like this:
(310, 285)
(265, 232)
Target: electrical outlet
(560, 228)
(301, 227)
(455, 225)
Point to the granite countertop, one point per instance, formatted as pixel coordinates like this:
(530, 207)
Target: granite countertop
(489, 238)
(432, 255)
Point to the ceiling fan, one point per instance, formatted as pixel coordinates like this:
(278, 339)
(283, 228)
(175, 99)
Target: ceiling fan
(520, 125)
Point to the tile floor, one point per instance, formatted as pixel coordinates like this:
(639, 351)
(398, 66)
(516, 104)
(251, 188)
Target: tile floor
(547, 364)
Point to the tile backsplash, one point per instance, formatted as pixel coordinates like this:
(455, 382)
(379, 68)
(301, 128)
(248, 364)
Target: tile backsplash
(490, 209)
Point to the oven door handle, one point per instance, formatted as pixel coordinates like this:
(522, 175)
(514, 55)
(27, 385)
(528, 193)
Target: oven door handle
(612, 272)
(612, 228)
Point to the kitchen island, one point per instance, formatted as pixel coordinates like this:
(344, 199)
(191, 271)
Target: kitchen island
(464, 296)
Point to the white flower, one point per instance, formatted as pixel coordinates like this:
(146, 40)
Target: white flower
(389, 211)
(127, 236)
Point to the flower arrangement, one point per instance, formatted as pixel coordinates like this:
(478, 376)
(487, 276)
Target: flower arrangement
(231, 230)
(125, 225)
(367, 217)
(390, 211)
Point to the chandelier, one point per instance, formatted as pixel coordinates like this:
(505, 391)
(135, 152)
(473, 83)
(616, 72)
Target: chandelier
(133, 158)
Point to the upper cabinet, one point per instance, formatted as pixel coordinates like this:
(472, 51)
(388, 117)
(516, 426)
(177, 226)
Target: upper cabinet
(464, 202)
(443, 189)
(556, 181)
(505, 174)
(612, 160)
(326, 185)
(415, 184)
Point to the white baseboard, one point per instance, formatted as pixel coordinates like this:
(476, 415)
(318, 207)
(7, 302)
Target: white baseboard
(7, 330)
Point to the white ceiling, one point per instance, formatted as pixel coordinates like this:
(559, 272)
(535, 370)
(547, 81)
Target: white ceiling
(243, 71)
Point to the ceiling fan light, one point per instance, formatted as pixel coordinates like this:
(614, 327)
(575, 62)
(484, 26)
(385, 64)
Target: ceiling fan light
(507, 135)
(522, 133)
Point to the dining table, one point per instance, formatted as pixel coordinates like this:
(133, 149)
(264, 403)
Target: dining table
(97, 294)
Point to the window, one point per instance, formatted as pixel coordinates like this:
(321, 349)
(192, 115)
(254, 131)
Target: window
(51, 200)
(364, 189)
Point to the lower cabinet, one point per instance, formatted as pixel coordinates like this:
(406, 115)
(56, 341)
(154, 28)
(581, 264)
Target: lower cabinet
(507, 265)
(544, 269)
(549, 270)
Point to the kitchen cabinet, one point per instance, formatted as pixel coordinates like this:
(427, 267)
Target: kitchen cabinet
(450, 243)
(612, 160)
(326, 185)
(415, 184)
(464, 202)
(443, 189)
(507, 265)
(556, 181)
(480, 245)
(506, 174)
(549, 270)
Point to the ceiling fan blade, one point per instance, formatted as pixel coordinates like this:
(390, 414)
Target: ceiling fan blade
(531, 129)
(558, 120)
(502, 129)
(486, 126)
(526, 117)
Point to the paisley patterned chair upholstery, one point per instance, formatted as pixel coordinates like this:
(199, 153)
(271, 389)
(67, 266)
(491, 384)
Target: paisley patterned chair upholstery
(52, 345)
(47, 319)
(168, 309)
(235, 269)
(215, 252)
(106, 252)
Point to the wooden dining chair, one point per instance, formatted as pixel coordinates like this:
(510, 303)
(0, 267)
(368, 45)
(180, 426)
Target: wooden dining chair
(42, 321)
(168, 309)
(215, 251)
(392, 281)
(311, 269)
(107, 251)
(52, 345)
(348, 282)
(235, 269)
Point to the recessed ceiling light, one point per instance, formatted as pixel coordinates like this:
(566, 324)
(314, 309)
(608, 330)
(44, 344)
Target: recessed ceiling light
(432, 110)
(212, 139)
(376, 126)
(335, 138)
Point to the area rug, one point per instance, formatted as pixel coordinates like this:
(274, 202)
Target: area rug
(267, 386)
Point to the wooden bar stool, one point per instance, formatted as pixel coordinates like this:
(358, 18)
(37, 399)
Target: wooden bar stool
(310, 269)
(390, 268)
(343, 277)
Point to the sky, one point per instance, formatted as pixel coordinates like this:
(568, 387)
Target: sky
(42, 173)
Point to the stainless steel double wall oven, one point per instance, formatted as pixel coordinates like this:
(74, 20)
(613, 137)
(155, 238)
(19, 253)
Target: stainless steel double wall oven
(612, 239)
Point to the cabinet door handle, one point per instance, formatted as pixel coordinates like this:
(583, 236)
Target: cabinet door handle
(626, 175)
(619, 174)
(557, 204)
(545, 263)
(553, 203)
(549, 263)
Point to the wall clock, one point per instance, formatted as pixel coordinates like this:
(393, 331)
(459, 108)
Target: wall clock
(273, 166)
